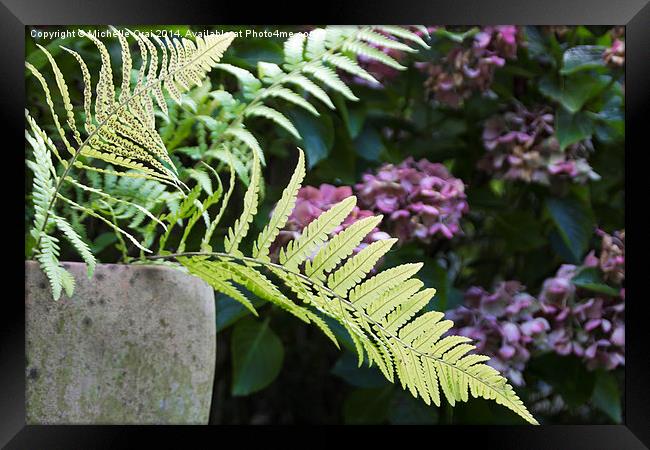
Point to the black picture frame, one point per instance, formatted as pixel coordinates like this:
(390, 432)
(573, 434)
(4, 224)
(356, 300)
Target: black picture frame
(16, 14)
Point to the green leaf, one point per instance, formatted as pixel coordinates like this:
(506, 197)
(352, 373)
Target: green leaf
(317, 135)
(368, 144)
(407, 410)
(257, 356)
(574, 222)
(364, 377)
(568, 376)
(453, 36)
(606, 396)
(229, 311)
(582, 57)
(102, 241)
(589, 278)
(577, 90)
(367, 406)
(572, 128)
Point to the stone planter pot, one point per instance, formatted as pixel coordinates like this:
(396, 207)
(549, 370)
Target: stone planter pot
(134, 345)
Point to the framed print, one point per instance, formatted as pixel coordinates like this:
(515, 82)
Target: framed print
(421, 223)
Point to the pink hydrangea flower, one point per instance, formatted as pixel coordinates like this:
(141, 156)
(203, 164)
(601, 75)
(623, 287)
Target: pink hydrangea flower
(311, 202)
(469, 69)
(587, 324)
(614, 56)
(419, 200)
(503, 324)
(521, 145)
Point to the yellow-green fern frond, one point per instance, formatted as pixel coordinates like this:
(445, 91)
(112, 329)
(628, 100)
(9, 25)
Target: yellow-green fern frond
(240, 229)
(281, 212)
(379, 312)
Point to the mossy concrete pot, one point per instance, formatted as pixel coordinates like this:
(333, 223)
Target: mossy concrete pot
(134, 345)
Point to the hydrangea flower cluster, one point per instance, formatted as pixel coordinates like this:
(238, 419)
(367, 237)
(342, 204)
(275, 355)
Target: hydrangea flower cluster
(521, 145)
(614, 56)
(503, 324)
(509, 324)
(464, 70)
(588, 324)
(311, 202)
(419, 200)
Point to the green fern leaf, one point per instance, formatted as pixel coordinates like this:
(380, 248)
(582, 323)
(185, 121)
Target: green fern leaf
(251, 198)
(275, 116)
(404, 312)
(310, 87)
(316, 233)
(404, 34)
(292, 97)
(205, 242)
(281, 212)
(250, 85)
(360, 48)
(382, 41)
(349, 65)
(206, 271)
(77, 243)
(293, 49)
(247, 138)
(329, 78)
(356, 268)
(371, 289)
(340, 247)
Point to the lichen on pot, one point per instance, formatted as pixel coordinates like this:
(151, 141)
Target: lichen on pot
(134, 344)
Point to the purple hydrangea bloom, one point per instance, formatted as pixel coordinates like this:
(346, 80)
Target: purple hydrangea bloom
(588, 324)
(503, 324)
(614, 56)
(311, 202)
(468, 69)
(521, 145)
(419, 200)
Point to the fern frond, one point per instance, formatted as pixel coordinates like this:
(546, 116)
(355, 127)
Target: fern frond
(404, 34)
(82, 248)
(48, 259)
(205, 242)
(281, 212)
(310, 87)
(356, 268)
(275, 116)
(340, 247)
(292, 97)
(361, 48)
(379, 313)
(378, 39)
(350, 66)
(120, 131)
(328, 77)
(240, 229)
(293, 49)
(247, 138)
(316, 233)
(373, 288)
(249, 83)
(206, 271)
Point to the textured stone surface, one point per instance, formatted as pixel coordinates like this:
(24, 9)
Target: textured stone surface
(135, 344)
